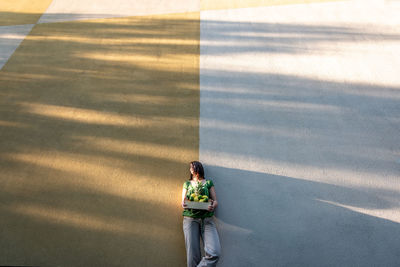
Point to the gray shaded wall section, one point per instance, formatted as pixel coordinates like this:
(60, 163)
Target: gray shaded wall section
(278, 221)
(306, 169)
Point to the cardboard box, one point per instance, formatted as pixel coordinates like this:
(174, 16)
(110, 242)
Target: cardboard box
(197, 205)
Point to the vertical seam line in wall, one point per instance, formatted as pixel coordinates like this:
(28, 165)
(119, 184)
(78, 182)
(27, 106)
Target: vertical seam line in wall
(199, 71)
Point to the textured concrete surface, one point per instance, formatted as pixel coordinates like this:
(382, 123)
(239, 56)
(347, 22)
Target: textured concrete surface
(292, 105)
(300, 130)
(98, 121)
(18, 12)
(62, 10)
(10, 39)
(234, 4)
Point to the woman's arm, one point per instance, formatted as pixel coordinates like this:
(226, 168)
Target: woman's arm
(184, 197)
(214, 202)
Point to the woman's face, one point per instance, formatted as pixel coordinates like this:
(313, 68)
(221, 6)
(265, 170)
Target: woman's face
(191, 169)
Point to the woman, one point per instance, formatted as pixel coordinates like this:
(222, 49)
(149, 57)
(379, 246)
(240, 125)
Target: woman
(200, 223)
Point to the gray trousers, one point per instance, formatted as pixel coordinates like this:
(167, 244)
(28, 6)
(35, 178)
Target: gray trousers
(194, 229)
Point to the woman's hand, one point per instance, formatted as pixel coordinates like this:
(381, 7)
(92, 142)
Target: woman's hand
(213, 205)
(213, 197)
(183, 204)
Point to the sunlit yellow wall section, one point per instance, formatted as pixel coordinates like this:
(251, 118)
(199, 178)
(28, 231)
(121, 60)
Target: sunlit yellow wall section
(230, 4)
(98, 121)
(17, 12)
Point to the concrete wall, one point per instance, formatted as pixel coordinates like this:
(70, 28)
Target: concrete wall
(292, 106)
(98, 122)
(299, 128)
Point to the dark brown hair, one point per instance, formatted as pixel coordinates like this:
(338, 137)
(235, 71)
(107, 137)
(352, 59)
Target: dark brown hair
(197, 168)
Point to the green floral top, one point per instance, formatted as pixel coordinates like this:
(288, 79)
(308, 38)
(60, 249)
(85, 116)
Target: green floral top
(190, 190)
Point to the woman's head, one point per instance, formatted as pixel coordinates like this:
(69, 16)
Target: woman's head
(196, 168)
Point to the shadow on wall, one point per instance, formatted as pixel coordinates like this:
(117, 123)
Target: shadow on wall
(284, 221)
(335, 144)
(227, 37)
(18, 18)
(98, 121)
(293, 119)
(303, 121)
